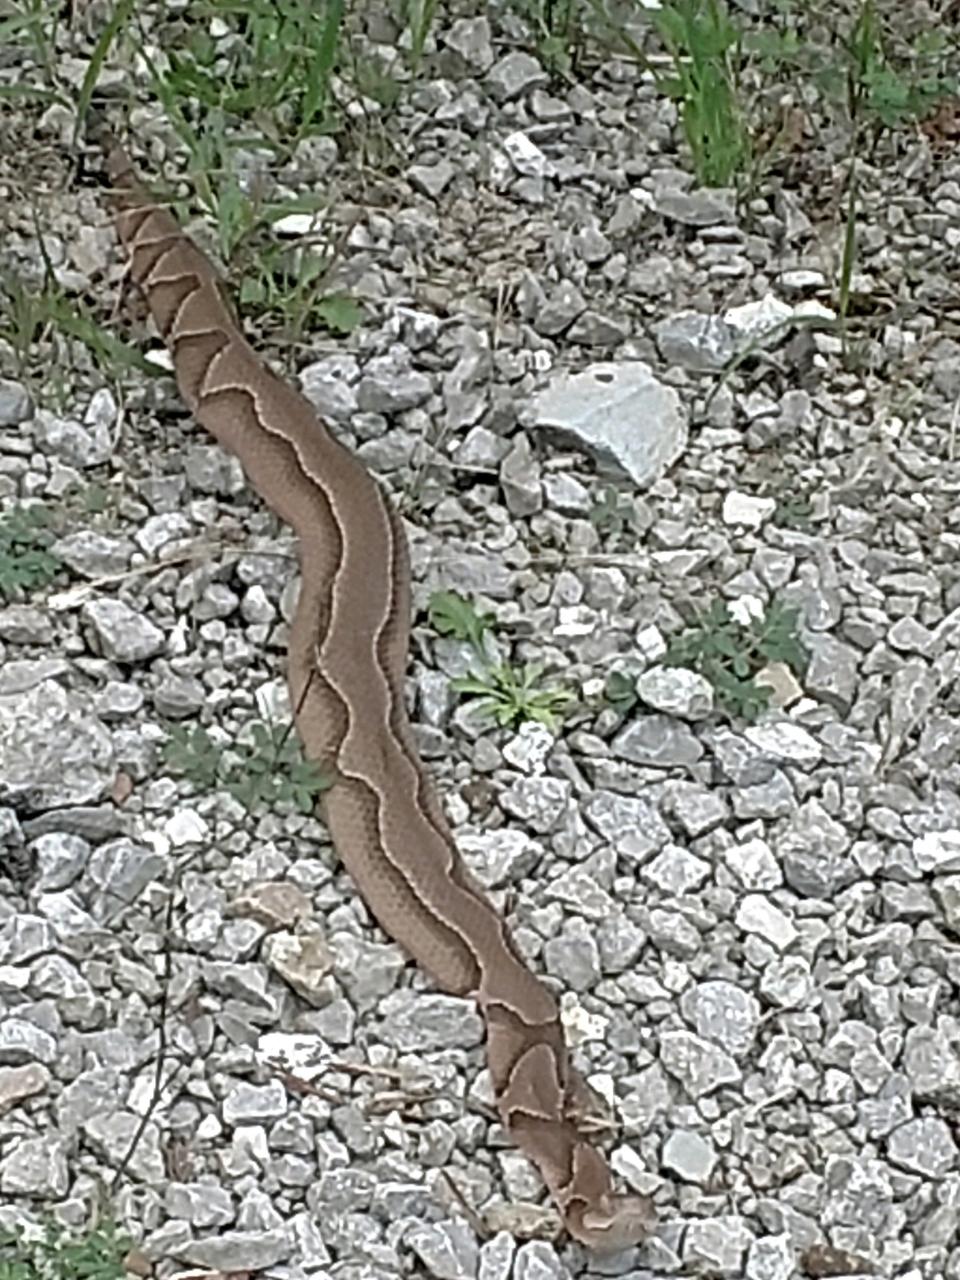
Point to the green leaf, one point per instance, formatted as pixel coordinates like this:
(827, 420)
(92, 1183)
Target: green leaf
(620, 691)
(251, 292)
(339, 313)
(503, 712)
(191, 751)
(468, 684)
(452, 615)
(510, 695)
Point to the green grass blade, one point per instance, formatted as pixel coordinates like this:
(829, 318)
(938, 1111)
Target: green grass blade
(849, 249)
(422, 13)
(28, 91)
(317, 90)
(119, 19)
(109, 351)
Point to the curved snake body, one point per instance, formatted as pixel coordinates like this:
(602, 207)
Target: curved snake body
(346, 666)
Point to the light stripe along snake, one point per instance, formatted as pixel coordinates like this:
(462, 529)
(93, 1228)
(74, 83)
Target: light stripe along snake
(346, 668)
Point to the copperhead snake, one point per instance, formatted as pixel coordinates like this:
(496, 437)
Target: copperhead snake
(345, 671)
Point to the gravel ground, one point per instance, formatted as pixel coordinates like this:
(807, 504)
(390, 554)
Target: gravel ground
(753, 924)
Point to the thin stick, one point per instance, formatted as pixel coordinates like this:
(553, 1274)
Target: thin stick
(156, 1093)
(469, 1212)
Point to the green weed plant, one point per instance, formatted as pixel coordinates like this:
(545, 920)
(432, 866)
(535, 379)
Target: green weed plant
(509, 694)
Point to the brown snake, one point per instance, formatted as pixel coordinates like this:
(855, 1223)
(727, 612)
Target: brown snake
(346, 667)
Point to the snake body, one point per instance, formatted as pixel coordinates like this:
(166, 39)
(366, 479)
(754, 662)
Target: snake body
(346, 665)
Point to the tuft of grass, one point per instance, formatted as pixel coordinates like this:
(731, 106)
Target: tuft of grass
(263, 770)
(31, 314)
(281, 284)
(118, 22)
(869, 67)
(892, 89)
(33, 28)
(98, 1255)
(880, 77)
(883, 92)
(284, 286)
(418, 16)
(271, 67)
(512, 695)
(731, 654)
(559, 27)
(26, 563)
(705, 46)
(508, 694)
